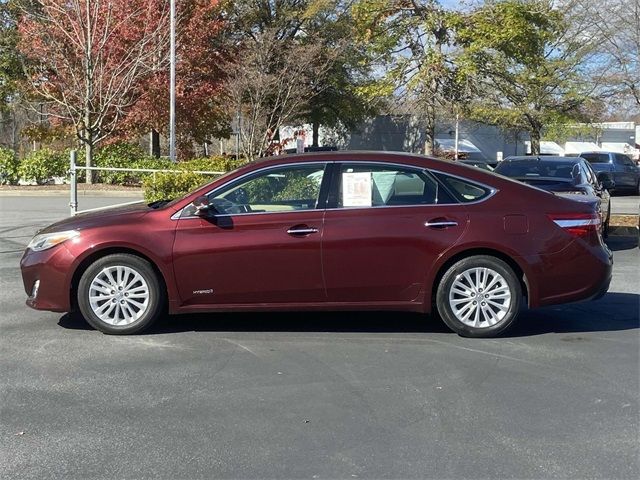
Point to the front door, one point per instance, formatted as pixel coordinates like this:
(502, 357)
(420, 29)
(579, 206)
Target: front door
(261, 246)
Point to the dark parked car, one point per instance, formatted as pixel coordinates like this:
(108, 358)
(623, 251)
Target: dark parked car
(326, 231)
(572, 177)
(477, 163)
(625, 173)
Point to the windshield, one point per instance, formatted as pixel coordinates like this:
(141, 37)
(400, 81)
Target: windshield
(536, 169)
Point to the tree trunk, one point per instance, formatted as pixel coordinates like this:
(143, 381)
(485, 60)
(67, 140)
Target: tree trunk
(430, 130)
(316, 134)
(535, 141)
(88, 157)
(154, 143)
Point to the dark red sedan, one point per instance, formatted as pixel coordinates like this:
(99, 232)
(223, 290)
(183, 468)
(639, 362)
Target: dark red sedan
(327, 231)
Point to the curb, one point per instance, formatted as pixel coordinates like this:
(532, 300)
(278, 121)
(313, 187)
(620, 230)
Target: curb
(65, 193)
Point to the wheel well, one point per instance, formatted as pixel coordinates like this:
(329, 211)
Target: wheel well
(75, 280)
(480, 251)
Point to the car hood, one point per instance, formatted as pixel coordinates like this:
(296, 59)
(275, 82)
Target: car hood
(105, 217)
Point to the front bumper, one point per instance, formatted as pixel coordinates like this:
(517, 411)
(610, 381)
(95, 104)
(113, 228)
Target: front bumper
(52, 268)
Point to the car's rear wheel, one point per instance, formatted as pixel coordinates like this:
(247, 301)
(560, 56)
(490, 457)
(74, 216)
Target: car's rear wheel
(120, 294)
(479, 296)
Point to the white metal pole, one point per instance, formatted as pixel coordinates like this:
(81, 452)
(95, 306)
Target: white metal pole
(172, 84)
(73, 187)
(457, 137)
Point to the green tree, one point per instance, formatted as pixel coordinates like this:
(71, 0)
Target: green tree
(11, 72)
(338, 96)
(528, 71)
(412, 42)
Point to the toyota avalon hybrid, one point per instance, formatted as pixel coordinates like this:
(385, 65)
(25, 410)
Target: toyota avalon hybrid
(327, 231)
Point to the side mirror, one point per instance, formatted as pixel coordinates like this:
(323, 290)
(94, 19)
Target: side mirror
(201, 205)
(606, 180)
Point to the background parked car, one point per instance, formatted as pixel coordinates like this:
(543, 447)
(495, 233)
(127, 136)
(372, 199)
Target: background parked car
(625, 172)
(478, 163)
(572, 177)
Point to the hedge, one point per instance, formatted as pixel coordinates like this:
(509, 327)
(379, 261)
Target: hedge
(167, 186)
(9, 164)
(123, 155)
(42, 165)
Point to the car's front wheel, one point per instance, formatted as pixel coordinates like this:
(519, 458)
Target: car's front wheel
(479, 296)
(120, 294)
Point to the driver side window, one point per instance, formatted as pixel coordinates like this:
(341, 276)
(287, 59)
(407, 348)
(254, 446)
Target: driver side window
(279, 189)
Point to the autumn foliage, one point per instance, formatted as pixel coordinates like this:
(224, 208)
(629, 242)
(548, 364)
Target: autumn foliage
(200, 53)
(85, 57)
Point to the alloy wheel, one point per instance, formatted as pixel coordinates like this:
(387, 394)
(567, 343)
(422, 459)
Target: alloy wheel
(480, 297)
(119, 295)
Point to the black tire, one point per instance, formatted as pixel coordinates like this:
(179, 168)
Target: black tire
(154, 299)
(508, 282)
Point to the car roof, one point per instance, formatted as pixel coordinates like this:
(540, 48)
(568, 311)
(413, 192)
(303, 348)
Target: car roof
(544, 158)
(355, 155)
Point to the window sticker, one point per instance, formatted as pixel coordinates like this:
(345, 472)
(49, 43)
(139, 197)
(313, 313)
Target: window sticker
(356, 189)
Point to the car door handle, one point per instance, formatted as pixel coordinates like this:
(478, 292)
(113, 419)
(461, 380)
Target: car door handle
(437, 223)
(302, 230)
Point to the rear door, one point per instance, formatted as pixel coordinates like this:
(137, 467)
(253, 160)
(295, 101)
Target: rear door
(263, 244)
(385, 226)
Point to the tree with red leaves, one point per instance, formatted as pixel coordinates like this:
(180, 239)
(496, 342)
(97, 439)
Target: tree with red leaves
(87, 59)
(200, 60)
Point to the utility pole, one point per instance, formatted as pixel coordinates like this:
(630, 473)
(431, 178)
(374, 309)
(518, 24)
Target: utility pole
(457, 140)
(172, 84)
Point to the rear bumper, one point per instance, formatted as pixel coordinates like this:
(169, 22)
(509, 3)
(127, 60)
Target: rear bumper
(578, 273)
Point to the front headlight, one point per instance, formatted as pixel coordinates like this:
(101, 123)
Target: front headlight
(48, 240)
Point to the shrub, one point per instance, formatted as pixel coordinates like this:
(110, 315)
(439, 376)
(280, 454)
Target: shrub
(120, 155)
(167, 186)
(151, 163)
(42, 165)
(212, 164)
(164, 186)
(9, 164)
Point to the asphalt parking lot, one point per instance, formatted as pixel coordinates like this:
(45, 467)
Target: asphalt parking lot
(332, 395)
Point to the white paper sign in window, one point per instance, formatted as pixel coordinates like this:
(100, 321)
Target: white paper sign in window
(356, 189)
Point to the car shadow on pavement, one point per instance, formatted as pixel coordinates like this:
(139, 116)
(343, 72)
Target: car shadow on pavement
(622, 242)
(613, 312)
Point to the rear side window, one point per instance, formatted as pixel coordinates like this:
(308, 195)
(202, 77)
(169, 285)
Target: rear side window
(464, 190)
(588, 172)
(382, 186)
(596, 157)
(536, 168)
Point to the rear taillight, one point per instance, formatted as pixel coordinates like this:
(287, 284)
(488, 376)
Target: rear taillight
(577, 224)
